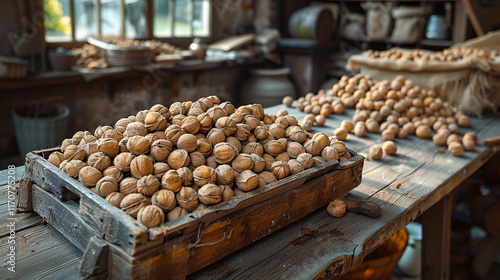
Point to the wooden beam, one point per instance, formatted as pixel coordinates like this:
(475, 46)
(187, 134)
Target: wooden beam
(474, 11)
(123, 13)
(436, 226)
(459, 33)
(72, 18)
(150, 13)
(99, 27)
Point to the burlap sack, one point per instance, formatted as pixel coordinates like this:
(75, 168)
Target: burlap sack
(378, 20)
(409, 23)
(352, 26)
(472, 84)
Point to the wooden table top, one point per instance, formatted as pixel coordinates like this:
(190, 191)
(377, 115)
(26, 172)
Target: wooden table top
(339, 244)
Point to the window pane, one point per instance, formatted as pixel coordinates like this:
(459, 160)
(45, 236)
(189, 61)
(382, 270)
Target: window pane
(162, 25)
(135, 19)
(201, 20)
(182, 23)
(85, 19)
(111, 17)
(57, 20)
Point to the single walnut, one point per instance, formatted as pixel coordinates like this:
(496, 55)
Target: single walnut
(113, 171)
(177, 119)
(242, 132)
(423, 131)
(340, 147)
(340, 133)
(360, 129)
(148, 185)
(347, 124)
(172, 181)
(269, 159)
(251, 121)
(78, 136)
(306, 159)
(115, 198)
(216, 136)
(210, 194)
(329, 153)
(121, 125)
(224, 175)
(140, 116)
(469, 145)
(106, 185)
(470, 136)
(151, 216)
(187, 176)
(109, 146)
(261, 132)
(66, 143)
(322, 139)
(211, 162)
(228, 107)
(122, 161)
(176, 213)
(154, 121)
(318, 160)
(247, 180)
(268, 177)
(178, 108)
(99, 160)
(159, 169)
(257, 111)
(136, 129)
(187, 198)
(259, 163)
(295, 166)
(73, 152)
(237, 117)
(281, 120)
(216, 113)
(205, 122)
(160, 109)
(389, 148)
(456, 149)
(253, 148)
(227, 192)
(227, 125)
(312, 147)
(204, 175)
(191, 125)
(161, 149)
(89, 138)
(296, 134)
(282, 157)
(204, 147)
(128, 185)
(274, 147)
(277, 130)
(244, 110)
(224, 152)
(187, 142)
(375, 152)
(178, 158)
(336, 208)
(138, 145)
(197, 159)
(72, 168)
(108, 134)
(141, 166)
(99, 131)
(242, 162)
(173, 133)
(89, 176)
(122, 145)
(165, 199)
(280, 169)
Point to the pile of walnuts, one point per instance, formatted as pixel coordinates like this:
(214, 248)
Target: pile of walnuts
(165, 162)
(419, 55)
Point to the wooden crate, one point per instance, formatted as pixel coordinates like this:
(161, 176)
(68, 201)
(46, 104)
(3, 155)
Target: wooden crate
(116, 246)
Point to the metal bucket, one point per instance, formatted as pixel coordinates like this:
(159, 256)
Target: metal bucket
(46, 131)
(313, 22)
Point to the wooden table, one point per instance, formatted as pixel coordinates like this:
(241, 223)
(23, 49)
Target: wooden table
(427, 178)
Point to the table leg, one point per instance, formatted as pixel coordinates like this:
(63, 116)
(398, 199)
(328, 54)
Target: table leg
(436, 226)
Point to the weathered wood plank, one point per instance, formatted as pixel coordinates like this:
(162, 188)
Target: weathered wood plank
(436, 222)
(4, 176)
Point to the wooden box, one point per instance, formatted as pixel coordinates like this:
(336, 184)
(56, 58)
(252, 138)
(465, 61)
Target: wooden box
(116, 246)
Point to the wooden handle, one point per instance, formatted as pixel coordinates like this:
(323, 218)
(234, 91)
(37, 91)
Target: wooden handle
(490, 142)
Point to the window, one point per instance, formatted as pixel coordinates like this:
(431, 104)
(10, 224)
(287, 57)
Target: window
(75, 20)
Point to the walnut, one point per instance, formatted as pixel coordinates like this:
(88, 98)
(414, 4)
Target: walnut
(282, 157)
(89, 138)
(269, 161)
(318, 160)
(360, 129)
(340, 133)
(72, 168)
(136, 129)
(242, 162)
(204, 175)
(115, 198)
(306, 124)
(99, 131)
(423, 131)
(228, 107)
(375, 152)
(268, 177)
(296, 134)
(389, 148)
(78, 136)
(204, 147)
(194, 112)
(73, 152)
(216, 136)
(312, 147)
(160, 109)
(280, 169)
(178, 158)
(160, 149)
(281, 120)
(106, 185)
(295, 166)
(336, 208)
(247, 180)
(173, 133)
(165, 199)
(469, 145)
(99, 160)
(109, 146)
(235, 142)
(340, 147)
(216, 113)
(470, 136)
(244, 110)
(191, 125)
(178, 108)
(187, 198)
(200, 105)
(205, 122)
(227, 125)
(159, 169)
(306, 159)
(329, 153)
(259, 164)
(322, 139)
(348, 125)
(242, 132)
(148, 185)
(261, 132)
(224, 175)
(277, 130)
(89, 176)
(121, 125)
(123, 160)
(224, 152)
(141, 166)
(456, 149)
(107, 134)
(237, 117)
(253, 148)
(251, 121)
(211, 162)
(210, 194)
(140, 116)
(257, 111)
(128, 185)
(113, 171)
(452, 138)
(66, 143)
(151, 216)
(187, 142)
(274, 147)
(373, 127)
(154, 121)
(227, 192)
(122, 145)
(177, 120)
(177, 212)
(172, 181)
(197, 159)
(187, 176)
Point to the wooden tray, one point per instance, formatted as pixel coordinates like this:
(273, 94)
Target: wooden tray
(117, 246)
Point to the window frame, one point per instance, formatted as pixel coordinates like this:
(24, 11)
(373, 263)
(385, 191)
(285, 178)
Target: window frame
(149, 13)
